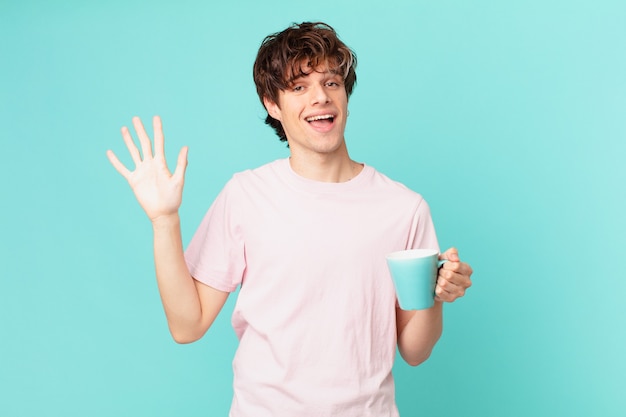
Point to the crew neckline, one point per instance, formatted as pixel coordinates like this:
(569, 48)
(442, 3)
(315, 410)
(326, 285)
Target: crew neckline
(307, 184)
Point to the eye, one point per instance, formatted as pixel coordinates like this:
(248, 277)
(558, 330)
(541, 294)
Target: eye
(298, 88)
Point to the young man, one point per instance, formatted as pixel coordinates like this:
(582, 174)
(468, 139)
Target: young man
(305, 238)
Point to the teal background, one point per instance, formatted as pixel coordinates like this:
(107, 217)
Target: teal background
(507, 116)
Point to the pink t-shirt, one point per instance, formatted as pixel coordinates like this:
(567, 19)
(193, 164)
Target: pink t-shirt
(315, 315)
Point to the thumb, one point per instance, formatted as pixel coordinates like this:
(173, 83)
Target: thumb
(451, 254)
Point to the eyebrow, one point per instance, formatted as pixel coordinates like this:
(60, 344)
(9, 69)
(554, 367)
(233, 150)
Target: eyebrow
(331, 72)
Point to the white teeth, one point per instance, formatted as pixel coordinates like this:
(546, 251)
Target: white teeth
(321, 117)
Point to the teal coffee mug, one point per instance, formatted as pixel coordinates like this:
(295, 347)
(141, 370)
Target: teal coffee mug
(414, 275)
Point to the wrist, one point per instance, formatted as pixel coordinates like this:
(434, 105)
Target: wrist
(166, 221)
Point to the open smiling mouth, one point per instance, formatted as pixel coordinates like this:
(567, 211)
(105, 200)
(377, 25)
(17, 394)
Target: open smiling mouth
(322, 120)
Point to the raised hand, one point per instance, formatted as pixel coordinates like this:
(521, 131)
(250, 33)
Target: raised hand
(158, 191)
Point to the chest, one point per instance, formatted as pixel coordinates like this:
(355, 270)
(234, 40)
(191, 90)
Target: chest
(318, 230)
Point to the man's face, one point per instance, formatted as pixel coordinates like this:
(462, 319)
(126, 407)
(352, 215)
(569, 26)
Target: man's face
(313, 112)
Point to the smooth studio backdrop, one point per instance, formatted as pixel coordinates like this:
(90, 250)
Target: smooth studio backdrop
(508, 117)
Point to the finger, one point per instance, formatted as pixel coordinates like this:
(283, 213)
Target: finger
(448, 291)
(181, 164)
(460, 268)
(443, 295)
(157, 127)
(446, 298)
(117, 164)
(456, 278)
(130, 144)
(144, 140)
(451, 266)
(464, 269)
(451, 254)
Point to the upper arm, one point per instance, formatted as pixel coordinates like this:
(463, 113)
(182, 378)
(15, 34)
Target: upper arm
(211, 303)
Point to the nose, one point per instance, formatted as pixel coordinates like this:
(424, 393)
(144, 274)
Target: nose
(319, 95)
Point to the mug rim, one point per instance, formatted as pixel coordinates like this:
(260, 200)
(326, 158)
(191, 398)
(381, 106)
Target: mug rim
(412, 253)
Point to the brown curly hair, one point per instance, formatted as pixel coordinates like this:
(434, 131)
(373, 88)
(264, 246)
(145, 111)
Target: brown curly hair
(280, 57)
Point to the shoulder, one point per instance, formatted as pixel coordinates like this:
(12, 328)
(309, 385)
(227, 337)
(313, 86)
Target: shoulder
(390, 187)
(263, 172)
(257, 180)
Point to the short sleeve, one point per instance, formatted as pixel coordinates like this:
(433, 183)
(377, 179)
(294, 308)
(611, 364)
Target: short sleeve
(423, 234)
(215, 256)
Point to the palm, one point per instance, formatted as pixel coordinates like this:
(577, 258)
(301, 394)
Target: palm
(158, 191)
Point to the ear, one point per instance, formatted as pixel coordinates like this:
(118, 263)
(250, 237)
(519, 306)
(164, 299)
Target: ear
(272, 108)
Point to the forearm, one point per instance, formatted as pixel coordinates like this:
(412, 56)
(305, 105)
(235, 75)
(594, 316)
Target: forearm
(418, 332)
(179, 294)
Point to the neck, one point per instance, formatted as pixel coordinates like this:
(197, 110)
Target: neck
(325, 168)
